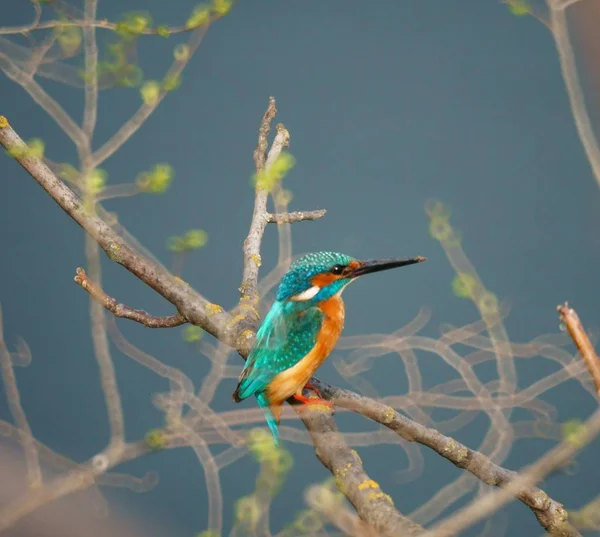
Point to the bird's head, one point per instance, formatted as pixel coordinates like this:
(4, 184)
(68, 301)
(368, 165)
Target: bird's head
(319, 276)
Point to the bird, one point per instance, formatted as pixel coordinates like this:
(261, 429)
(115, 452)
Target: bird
(301, 329)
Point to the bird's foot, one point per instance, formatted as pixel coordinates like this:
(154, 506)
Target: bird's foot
(312, 400)
(314, 389)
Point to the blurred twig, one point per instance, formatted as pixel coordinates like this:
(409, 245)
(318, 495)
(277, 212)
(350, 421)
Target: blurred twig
(559, 28)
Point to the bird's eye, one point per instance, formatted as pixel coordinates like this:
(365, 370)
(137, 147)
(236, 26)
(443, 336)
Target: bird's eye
(337, 269)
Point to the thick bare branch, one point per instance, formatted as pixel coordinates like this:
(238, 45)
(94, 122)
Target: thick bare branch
(549, 512)
(374, 506)
(571, 320)
(123, 311)
(195, 308)
(323, 501)
(490, 503)
(296, 216)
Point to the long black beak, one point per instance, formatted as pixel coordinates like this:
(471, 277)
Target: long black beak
(377, 265)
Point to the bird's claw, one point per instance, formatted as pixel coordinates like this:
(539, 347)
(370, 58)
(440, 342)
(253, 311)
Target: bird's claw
(312, 400)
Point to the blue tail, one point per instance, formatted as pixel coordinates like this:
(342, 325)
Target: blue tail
(263, 402)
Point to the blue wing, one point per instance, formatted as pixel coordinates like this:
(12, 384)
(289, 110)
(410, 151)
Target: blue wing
(287, 334)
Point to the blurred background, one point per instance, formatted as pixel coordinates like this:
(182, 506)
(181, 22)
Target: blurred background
(389, 105)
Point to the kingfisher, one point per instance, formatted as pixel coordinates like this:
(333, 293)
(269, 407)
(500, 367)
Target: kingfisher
(301, 329)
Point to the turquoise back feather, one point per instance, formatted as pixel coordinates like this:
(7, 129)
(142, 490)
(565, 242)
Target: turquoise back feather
(287, 335)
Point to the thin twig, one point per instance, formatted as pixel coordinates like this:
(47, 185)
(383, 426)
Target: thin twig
(130, 127)
(260, 153)
(249, 288)
(34, 472)
(296, 216)
(84, 24)
(64, 485)
(569, 317)
(90, 112)
(258, 223)
(558, 26)
(562, 4)
(106, 367)
(39, 95)
(123, 311)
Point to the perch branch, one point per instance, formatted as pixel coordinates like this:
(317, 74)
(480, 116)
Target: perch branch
(296, 216)
(493, 501)
(123, 311)
(374, 506)
(550, 513)
(571, 320)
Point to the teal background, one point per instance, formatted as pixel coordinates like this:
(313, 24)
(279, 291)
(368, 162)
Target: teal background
(389, 104)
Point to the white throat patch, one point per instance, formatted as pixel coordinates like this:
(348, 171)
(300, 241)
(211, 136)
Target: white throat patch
(311, 292)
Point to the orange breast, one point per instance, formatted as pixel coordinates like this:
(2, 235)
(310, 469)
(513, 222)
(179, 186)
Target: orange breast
(292, 380)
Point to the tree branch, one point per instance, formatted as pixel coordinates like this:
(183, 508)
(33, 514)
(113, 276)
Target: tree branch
(559, 29)
(571, 320)
(90, 112)
(123, 311)
(39, 95)
(374, 506)
(258, 224)
(296, 216)
(493, 501)
(550, 513)
(249, 295)
(191, 305)
(130, 127)
(34, 471)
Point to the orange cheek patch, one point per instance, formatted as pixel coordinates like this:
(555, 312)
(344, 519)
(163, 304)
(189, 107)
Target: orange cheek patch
(353, 265)
(323, 280)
